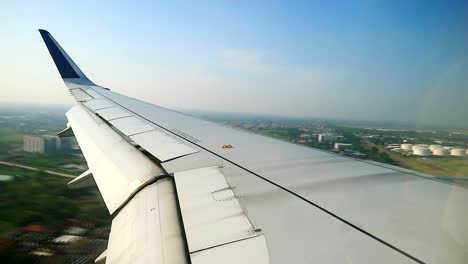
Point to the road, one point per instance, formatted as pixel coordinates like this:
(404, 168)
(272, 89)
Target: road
(37, 169)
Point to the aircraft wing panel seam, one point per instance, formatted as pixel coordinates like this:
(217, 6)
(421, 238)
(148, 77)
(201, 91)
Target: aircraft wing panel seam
(136, 191)
(141, 131)
(211, 212)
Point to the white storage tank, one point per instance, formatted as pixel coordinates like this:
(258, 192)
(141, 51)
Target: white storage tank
(459, 152)
(406, 146)
(433, 147)
(440, 152)
(423, 145)
(421, 151)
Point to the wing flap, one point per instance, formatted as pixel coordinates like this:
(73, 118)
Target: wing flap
(131, 125)
(253, 250)
(147, 229)
(80, 95)
(113, 113)
(194, 161)
(162, 146)
(211, 212)
(97, 104)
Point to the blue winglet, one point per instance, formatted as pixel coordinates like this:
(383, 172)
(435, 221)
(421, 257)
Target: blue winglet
(64, 63)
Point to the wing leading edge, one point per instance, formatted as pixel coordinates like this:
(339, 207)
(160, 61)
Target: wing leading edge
(301, 205)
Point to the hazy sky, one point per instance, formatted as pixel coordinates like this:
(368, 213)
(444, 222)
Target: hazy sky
(374, 60)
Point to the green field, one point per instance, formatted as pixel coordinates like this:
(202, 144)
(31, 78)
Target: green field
(9, 139)
(13, 171)
(445, 166)
(437, 166)
(9, 134)
(39, 198)
(12, 138)
(48, 162)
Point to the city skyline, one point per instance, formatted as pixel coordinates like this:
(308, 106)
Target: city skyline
(367, 60)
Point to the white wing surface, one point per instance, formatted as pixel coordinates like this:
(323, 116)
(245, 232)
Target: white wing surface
(177, 195)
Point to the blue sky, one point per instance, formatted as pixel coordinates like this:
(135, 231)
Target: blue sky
(373, 60)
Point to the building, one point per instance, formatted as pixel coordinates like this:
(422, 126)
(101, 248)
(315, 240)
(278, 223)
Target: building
(393, 146)
(434, 147)
(41, 144)
(406, 146)
(421, 151)
(33, 144)
(5, 178)
(458, 152)
(342, 146)
(440, 152)
(354, 153)
(74, 167)
(67, 144)
(328, 137)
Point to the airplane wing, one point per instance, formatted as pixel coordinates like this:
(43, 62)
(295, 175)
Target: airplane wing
(181, 189)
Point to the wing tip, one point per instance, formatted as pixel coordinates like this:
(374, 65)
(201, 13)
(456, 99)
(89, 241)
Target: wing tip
(43, 32)
(65, 65)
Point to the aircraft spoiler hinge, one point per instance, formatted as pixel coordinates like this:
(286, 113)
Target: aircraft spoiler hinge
(67, 132)
(84, 180)
(102, 258)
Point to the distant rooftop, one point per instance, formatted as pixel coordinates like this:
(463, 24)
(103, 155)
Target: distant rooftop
(6, 177)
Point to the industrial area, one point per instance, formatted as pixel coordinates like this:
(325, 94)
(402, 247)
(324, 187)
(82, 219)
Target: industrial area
(425, 150)
(440, 152)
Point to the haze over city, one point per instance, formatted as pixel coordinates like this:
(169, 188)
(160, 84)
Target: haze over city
(367, 60)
